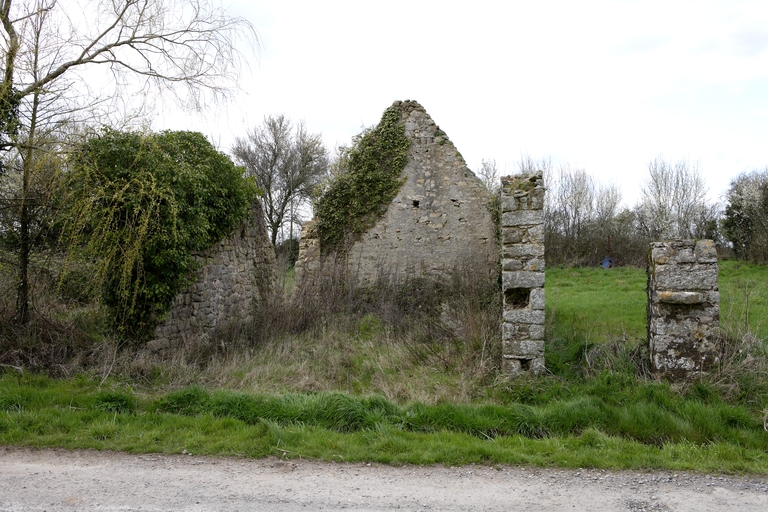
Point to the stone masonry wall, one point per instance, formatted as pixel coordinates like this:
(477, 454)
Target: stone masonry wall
(438, 223)
(522, 237)
(683, 307)
(237, 273)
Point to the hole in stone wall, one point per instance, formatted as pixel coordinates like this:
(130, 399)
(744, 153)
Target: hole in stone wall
(517, 298)
(525, 364)
(415, 204)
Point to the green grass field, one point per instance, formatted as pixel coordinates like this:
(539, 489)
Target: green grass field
(360, 389)
(603, 305)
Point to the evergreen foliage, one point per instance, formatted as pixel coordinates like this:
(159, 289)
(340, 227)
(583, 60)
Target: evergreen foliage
(370, 178)
(745, 223)
(140, 204)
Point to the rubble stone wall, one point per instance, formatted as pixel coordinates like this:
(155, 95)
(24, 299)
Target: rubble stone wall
(236, 274)
(683, 312)
(438, 223)
(522, 238)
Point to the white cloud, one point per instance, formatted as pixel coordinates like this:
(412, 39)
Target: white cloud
(607, 85)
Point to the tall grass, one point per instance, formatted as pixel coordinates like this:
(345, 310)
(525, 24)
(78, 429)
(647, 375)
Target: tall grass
(420, 340)
(417, 358)
(652, 427)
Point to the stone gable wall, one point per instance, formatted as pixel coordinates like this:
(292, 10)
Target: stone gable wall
(438, 223)
(237, 274)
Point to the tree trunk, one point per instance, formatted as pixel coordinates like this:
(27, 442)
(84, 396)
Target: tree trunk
(22, 293)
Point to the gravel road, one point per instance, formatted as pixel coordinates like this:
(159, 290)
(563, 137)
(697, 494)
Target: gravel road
(60, 480)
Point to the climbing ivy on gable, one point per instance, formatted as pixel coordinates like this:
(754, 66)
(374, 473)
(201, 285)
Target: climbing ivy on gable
(370, 179)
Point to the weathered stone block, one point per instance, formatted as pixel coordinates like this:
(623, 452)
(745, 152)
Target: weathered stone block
(536, 234)
(522, 218)
(513, 235)
(510, 331)
(535, 265)
(537, 298)
(681, 297)
(524, 348)
(705, 251)
(524, 316)
(511, 264)
(536, 331)
(518, 251)
(522, 279)
(675, 278)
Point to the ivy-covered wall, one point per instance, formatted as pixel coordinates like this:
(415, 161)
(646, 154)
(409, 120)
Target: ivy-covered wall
(235, 275)
(438, 221)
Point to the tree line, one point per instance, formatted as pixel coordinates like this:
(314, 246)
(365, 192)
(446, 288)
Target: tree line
(586, 222)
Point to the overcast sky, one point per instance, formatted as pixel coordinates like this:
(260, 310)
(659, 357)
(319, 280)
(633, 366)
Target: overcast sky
(604, 85)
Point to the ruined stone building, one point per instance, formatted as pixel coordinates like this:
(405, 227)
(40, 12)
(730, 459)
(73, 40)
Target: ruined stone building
(438, 223)
(236, 274)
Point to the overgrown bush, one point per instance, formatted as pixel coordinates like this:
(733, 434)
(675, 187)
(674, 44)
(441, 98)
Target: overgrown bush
(139, 204)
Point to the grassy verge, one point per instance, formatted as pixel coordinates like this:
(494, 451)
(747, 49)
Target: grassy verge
(380, 377)
(651, 428)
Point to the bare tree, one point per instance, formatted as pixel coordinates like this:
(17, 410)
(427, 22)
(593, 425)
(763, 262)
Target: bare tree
(183, 47)
(583, 222)
(489, 175)
(572, 200)
(674, 202)
(287, 162)
(528, 164)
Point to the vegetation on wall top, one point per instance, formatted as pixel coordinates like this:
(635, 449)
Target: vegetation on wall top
(139, 204)
(369, 178)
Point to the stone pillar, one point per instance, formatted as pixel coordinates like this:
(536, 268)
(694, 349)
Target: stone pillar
(522, 236)
(683, 307)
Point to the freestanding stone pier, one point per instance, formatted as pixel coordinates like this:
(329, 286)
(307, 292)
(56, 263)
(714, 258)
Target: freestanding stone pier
(522, 235)
(683, 307)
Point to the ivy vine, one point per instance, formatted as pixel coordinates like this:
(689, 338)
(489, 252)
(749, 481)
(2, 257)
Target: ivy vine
(369, 179)
(139, 204)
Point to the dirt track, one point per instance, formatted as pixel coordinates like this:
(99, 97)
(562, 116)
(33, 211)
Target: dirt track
(57, 480)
